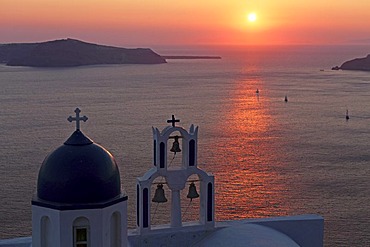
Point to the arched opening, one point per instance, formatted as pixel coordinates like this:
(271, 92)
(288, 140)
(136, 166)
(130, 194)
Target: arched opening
(145, 207)
(137, 205)
(81, 232)
(155, 152)
(161, 155)
(115, 230)
(174, 151)
(160, 210)
(45, 233)
(192, 152)
(190, 203)
(209, 202)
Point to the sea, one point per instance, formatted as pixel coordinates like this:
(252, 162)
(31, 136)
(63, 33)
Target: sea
(269, 157)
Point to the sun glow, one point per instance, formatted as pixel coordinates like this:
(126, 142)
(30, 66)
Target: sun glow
(252, 17)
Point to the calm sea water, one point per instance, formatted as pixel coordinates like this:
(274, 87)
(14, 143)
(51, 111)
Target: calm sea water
(269, 158)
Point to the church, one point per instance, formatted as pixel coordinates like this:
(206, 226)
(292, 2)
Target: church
(79, 201)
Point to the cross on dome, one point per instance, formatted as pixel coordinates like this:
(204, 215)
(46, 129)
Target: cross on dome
(77, 118)
(173, 121)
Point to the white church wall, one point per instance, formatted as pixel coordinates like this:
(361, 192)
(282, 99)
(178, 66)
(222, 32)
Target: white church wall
(99, 224)
(38, 237)
(117, 209)
(58, 227)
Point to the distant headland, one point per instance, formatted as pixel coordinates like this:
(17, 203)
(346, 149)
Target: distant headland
(191, 57)
(362, 64)
(72, 52)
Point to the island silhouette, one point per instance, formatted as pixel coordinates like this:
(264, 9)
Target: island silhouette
(72, 52)
(362, 64)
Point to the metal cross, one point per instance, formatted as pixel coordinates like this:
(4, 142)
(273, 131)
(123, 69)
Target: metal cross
(77, 118)
(173, 121)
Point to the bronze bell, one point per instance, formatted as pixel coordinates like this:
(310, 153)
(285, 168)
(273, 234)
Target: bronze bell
(159, 196)
(192, 191)
(176, 146)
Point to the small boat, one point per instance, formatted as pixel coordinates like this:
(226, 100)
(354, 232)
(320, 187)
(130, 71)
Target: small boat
(286, 98)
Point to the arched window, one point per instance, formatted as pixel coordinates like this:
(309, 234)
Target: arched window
(45, 232)
(209, 202)
(155, 153)
(191, 153)
(161, 155)
(115, 230)
(145, 207)
(137, 205)
(81, 232)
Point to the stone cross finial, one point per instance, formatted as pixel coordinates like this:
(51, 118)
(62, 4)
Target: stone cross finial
(173, 121)
(77, 118)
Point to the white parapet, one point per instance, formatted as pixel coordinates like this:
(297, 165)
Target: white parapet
(288, 231)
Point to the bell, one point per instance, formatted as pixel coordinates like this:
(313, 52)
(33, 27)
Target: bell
(159, 196)
(176, 146)
(192, 191)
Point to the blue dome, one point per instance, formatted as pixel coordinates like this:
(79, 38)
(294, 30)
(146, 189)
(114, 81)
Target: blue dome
(78, 172)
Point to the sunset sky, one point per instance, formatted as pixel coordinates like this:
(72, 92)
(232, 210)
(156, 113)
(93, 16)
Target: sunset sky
(205, 22)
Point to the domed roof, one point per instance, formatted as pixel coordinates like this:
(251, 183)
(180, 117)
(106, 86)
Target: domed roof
(79, 172)
(251, 235)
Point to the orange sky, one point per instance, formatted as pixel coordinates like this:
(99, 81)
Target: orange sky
(168, 22)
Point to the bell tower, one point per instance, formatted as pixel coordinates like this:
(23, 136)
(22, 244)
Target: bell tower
(175, 178)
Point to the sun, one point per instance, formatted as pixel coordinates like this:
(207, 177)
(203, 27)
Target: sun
(252, 17)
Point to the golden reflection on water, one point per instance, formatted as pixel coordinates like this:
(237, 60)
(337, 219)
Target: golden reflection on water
(249, 181)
